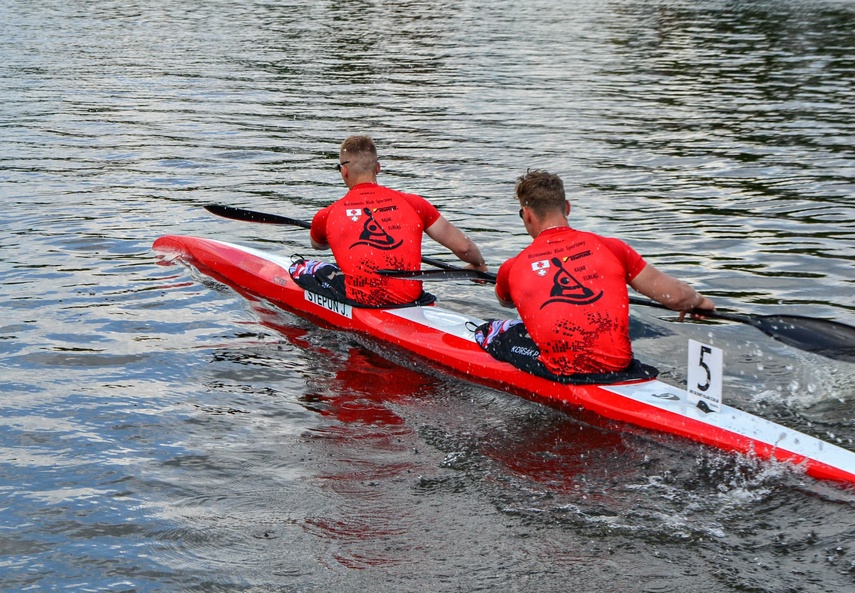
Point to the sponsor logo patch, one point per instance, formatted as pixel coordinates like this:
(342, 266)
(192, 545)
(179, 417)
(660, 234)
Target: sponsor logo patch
(540, 267)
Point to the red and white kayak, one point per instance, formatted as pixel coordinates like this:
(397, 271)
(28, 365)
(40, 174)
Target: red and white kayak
(444, 337)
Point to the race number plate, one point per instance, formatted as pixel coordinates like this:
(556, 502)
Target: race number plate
(705, 376)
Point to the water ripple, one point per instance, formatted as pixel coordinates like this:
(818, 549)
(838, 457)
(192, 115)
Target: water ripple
(160, 432)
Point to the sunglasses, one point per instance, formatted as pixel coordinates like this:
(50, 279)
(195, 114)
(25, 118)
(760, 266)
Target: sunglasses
(340, 165)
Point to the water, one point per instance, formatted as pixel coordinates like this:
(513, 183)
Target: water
(162, 433)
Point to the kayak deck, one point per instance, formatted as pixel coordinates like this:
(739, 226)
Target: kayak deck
(445, 337)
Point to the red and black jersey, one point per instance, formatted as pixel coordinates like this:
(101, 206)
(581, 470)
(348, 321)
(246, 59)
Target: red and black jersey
(570, 289)
(374, 227)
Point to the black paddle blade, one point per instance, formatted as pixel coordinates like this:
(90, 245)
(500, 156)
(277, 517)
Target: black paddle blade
(252, 216)
(821, 336)
(831, 339)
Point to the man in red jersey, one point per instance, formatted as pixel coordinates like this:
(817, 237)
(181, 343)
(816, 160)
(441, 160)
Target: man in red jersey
(570, 289)
(375, 227)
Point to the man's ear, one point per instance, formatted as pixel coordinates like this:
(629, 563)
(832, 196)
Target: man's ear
(528, 216)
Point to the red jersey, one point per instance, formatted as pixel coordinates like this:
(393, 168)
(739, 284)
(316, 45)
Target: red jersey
(569, 288)
(374, 227)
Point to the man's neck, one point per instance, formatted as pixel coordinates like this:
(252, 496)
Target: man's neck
(351, 183)
(550, 222)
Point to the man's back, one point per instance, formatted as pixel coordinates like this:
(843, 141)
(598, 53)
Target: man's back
(570, 288)
(374, 227)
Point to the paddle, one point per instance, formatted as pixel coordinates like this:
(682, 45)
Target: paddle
(821, 336)
(825, 337)
(252, 216)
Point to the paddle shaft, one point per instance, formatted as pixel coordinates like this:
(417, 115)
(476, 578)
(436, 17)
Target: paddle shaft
(458, 272)
(233, 213)
(828, 338)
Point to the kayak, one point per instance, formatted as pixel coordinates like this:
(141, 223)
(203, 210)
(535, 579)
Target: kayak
(445, 339)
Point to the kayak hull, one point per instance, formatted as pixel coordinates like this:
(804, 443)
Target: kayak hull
(445, 338)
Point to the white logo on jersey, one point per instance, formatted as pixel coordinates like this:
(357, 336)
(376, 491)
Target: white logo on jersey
(354, 214)
(540, 267)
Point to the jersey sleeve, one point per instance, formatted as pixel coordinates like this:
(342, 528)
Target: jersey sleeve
(426, 211)
(503, 283)
(318, 231)
(632, 262)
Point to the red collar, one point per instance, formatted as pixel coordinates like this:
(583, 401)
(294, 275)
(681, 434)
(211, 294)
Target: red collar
(553, 230)
(364, 185)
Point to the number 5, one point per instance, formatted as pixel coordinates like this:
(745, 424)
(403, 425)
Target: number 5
(704, 380)
(702, 363)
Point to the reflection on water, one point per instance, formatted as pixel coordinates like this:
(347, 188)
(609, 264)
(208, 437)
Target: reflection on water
(159, 432)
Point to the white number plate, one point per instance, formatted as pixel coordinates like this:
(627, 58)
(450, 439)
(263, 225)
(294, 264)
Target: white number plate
(705, 376)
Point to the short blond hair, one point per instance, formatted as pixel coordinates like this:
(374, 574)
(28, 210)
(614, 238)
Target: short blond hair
(360, 152)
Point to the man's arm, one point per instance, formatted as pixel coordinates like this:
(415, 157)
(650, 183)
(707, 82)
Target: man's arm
(671, 292)
(448, 235)
(318, 229)
(503, 285)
